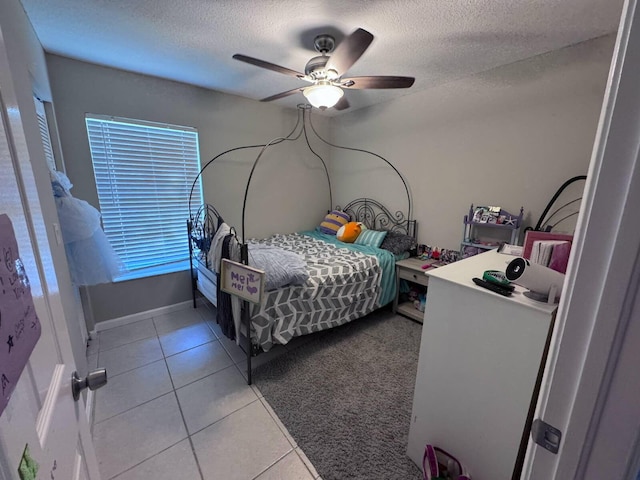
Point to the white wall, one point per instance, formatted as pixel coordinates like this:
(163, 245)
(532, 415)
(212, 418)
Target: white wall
(507, 137)
(510, 137)
(288, 192)
(29, 73)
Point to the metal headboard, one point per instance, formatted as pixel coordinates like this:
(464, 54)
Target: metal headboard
(376, 216)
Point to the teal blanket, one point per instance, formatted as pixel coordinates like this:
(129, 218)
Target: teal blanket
(385, 258)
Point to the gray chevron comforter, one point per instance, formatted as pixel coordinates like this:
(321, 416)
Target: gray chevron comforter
(345, 282)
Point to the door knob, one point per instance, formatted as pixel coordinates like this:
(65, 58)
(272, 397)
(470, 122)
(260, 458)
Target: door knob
(94, 380)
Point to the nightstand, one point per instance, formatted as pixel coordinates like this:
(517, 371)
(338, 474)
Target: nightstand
(410, 270)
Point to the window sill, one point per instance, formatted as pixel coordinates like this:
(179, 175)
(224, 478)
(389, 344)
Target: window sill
(153, 271)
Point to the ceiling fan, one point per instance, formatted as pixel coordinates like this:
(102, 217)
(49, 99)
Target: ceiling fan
(326, 71)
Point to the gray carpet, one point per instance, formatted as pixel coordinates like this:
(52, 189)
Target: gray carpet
(346, 396)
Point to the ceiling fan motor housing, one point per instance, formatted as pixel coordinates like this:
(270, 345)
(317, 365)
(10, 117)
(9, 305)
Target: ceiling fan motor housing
(315, 67)
(324, 43)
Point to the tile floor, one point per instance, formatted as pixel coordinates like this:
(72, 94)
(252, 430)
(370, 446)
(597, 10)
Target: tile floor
(177, 406)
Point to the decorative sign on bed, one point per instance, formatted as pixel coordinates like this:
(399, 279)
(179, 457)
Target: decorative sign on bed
(242, 281)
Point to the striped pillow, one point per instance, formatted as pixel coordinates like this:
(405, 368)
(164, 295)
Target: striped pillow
(371, 238)
(333, 221)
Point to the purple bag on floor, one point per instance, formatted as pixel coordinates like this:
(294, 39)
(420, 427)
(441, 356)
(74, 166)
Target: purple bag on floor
(438, 464)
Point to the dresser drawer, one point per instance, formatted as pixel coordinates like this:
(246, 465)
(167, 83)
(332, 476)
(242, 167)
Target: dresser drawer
(413, 276)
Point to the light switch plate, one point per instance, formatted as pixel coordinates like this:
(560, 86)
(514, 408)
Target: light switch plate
(58, 234)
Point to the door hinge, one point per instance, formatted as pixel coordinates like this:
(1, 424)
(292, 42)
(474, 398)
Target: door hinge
(545, 435)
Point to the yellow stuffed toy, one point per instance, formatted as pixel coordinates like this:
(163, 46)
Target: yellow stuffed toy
(349, 232)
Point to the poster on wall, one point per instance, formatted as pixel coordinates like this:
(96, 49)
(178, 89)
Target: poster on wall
(242, 281)
(19, 324)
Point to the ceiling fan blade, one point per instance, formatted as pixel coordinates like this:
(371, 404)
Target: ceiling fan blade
(377, 82)
(268, 66)
(349, 51)
(281, 95)
(342, 104)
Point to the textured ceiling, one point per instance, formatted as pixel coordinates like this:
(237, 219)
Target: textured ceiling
(193, 41)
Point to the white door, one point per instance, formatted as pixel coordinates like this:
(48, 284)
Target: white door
(41, 412)
(591, 387)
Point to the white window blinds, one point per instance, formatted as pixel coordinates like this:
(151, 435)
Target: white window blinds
(144, 172)
(44, 133)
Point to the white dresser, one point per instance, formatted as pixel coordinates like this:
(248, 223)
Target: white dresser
(479, 365)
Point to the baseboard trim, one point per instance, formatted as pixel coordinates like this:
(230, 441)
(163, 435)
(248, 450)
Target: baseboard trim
(136, 317)
(202, 301)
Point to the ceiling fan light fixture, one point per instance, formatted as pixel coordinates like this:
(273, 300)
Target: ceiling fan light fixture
(326, 73)
(323, 96)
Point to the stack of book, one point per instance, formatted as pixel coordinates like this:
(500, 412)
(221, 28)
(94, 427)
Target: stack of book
(551, 253)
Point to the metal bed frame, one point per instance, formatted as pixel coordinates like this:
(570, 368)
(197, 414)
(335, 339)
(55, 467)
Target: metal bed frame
(203, 223)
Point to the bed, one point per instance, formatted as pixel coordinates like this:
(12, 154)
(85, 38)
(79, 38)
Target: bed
(345, 281)
(339, 282)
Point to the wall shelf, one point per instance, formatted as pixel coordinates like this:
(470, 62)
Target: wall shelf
(472, 233)
(493, 225)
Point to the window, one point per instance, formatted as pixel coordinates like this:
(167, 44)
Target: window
(43, 125)
(144, 172)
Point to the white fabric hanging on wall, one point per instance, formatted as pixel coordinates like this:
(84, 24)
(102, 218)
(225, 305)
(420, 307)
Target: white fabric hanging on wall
(91, 257)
